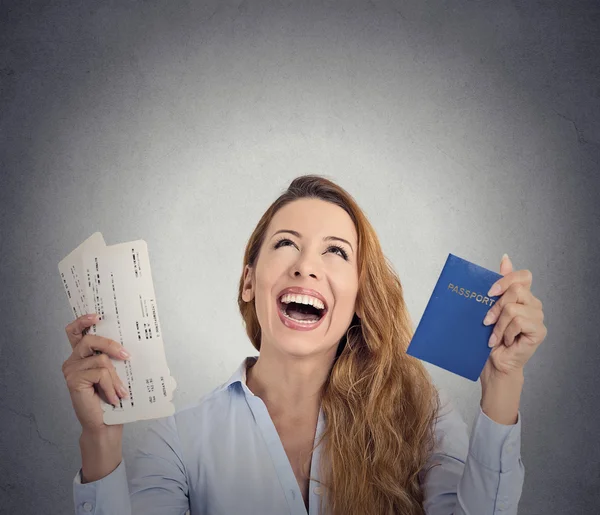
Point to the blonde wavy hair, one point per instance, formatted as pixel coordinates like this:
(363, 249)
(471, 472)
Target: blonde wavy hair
(380, 404)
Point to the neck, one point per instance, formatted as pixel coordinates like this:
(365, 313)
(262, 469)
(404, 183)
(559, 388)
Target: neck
(290, 387)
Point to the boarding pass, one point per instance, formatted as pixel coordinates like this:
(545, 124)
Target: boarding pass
(115, 282)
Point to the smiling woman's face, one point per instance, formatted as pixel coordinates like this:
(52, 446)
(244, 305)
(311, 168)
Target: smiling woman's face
(312, 257)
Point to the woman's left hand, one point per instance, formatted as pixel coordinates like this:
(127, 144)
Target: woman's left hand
(519, 318)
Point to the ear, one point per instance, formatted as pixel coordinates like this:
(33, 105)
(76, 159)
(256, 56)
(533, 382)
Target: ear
(248, 288)
(358, 312)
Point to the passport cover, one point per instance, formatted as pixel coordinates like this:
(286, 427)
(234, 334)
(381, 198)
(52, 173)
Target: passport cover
(451, 334)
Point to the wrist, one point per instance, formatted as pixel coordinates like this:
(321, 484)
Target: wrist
(503, 380)
(501, 397)
(102, 433)
(101, 454)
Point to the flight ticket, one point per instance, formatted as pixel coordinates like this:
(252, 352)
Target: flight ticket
(116, 283)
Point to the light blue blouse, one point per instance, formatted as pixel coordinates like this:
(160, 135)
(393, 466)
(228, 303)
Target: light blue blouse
(223, 456)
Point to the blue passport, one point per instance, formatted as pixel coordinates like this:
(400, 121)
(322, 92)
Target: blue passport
(451, 334)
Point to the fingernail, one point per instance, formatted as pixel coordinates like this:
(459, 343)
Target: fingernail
(91, 317)
(124, 354)
(488, 318)
(494, 290)
(124, 391)
(492, 341)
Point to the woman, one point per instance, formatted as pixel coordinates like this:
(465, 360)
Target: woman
(333, 416)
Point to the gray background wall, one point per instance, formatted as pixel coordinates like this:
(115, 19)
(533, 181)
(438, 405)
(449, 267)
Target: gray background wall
(463, 127)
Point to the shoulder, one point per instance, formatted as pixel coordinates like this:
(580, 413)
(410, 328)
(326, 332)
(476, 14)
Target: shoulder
(449, 419)
(451, 436)
(193, 418)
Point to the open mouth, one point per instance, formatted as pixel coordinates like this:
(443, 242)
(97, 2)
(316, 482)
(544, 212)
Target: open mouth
(300, 312)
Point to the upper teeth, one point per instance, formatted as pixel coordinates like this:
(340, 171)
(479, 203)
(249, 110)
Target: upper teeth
(302, 299)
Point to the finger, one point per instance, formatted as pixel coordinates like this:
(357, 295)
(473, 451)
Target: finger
(524, 277)
(87, 378)
(520, 325)
(90, 343)
(75, 330)
(107, 385)
(509, 312)
(516, 293)
(97, 361)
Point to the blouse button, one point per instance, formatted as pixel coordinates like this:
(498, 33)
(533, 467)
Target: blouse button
(317, 490)
(87, 506)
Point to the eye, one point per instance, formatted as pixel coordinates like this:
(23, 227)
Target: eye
(342, 253)
(280, 243)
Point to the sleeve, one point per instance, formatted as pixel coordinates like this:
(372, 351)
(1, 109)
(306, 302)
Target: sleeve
(157, 484)
(483, 475)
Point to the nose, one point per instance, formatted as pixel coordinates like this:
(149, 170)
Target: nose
(297, 274)
(306, 267)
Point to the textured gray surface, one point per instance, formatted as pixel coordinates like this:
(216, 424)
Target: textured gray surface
(463, 127)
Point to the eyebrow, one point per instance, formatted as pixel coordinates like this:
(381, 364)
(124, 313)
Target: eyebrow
(327, 238)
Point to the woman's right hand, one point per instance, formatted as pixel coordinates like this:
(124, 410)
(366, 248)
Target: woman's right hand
(91, 377)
